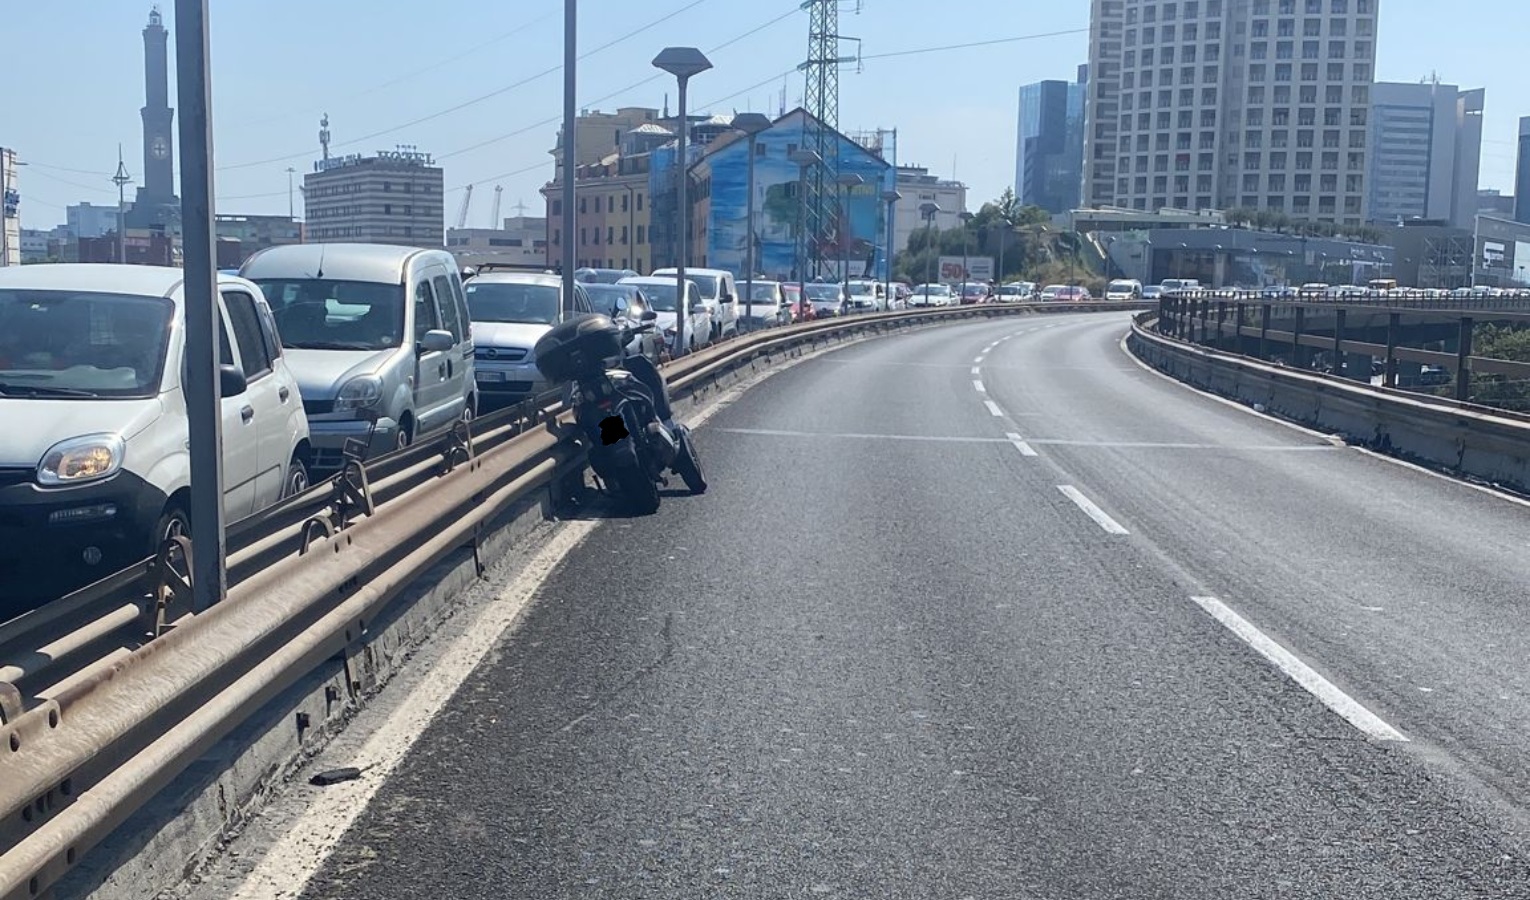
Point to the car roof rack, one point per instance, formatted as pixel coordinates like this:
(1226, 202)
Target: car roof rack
(485, 268)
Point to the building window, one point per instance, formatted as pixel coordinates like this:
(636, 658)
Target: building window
(582, 204)
(641, 238)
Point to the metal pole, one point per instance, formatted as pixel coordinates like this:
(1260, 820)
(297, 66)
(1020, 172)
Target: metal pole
(1389, 377)
(801, 238)
(749, 242)
(929, 263)
(202, 387)
(570, 142)
(5, 229)
(1463, 361)
(887, 277)
(844, 243)
(682, 295)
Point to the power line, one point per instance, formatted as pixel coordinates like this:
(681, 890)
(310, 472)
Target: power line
(74, 184)
(281, 117)
(476, 100)
(969, 46)
(616, 93)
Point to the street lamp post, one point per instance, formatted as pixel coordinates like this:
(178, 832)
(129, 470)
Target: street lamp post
(805, 160)
(891, 198)
(966, 218)
(570, 151)
(848, 182)
(750, 125)
(682, 62)
(929, 211)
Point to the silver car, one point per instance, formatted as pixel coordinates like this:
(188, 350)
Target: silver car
(378, 338)
(510, 312)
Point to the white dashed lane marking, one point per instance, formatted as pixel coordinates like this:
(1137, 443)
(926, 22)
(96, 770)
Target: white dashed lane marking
(994, 408)
(1110, 526)
(1299, 672)
(1020, 444)
(978, 386)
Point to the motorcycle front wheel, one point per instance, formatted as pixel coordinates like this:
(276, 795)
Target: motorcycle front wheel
(688, 465)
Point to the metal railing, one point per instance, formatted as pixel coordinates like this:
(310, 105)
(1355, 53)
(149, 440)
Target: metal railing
(1425, 351)
(108, 694)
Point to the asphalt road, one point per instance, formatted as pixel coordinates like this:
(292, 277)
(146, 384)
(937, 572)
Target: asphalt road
(887, 656)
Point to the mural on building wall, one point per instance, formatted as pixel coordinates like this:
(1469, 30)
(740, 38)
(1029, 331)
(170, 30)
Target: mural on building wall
(859, 227)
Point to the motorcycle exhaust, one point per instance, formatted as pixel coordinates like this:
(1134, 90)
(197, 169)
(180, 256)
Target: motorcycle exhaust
(663, 443)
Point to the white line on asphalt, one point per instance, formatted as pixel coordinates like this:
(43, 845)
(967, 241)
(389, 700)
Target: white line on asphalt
(1110, 525)
(978, 386)
(305, 843)
(1020, 444)
(1300, 672)
(976, 370)
(994, 408)
(979, 358)
(865, 436)
(1164, 445)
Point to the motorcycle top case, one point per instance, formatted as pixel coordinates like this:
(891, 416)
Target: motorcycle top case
(587, 345)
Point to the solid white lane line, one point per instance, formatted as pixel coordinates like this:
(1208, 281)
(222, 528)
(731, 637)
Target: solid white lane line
(1020, 444)
(1111, 526)
(306, 843)
(1300, 672)
(978, 386)
(994, 408)
(864, 436)
(1155, 445)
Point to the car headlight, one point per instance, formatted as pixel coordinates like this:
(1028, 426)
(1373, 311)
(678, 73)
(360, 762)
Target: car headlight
(361, 392)
(82, 459)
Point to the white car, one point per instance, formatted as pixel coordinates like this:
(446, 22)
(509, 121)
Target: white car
(661, 294)
(510, 312)
(1127, 289)
(766, 306)
(867, 296)
(95, 466)
(932, 295)
(719, 292)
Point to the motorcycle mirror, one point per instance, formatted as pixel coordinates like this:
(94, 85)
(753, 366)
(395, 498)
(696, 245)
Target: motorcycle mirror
(649, 315)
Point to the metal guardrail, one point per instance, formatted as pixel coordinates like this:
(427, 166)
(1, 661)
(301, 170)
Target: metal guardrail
(108, 694)
(1322, 334)
(1403, 298)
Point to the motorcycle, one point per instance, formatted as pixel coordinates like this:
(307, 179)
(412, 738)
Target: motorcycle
(621, 404)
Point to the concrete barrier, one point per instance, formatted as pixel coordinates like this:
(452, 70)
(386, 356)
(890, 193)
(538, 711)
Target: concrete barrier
(1467, 442)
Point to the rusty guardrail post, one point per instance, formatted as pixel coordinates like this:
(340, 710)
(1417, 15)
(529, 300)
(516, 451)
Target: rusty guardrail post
(1463, 360)
(1394, 324)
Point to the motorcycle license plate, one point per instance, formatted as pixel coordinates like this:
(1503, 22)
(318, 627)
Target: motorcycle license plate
(612, 430)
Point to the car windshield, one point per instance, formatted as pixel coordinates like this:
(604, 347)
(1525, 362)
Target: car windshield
(604, 296)
(861, 289)
(81, 344)
(530, 304)
(1009, 290)
(764, 290)
(661, 296)
(823, 292)
(608, 276)
(706, 285)
(973, 289)
(1121, 285)
(320, 314)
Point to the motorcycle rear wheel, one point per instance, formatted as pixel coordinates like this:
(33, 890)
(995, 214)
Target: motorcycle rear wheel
(638, 491)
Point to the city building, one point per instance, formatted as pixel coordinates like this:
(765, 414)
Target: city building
(919, 187)
(10, 210)
(521, 240)
(1049, 151)
(393, 197)
(156, 205)
(1191, 124)
(1502, 253)
(1426, 149)
(600, 134)
(1102, 100)
(241, 236)
(1493, 202)
(1522, 174)
(1221, 256)
(1431, 254)
(34, 246)
(859, 234)
(89, 220)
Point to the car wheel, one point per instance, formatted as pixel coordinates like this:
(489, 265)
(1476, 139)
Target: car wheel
(174, 522)
(297, 479)
(405, 435)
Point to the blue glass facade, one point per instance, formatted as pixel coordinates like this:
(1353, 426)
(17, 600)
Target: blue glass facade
(1049, 153)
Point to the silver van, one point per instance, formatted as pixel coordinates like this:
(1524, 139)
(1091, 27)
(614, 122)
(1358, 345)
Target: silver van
(378, 337)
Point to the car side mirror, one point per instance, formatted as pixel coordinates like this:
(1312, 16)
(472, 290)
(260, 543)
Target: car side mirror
(649, 315)
(436, 341)
(231, 381)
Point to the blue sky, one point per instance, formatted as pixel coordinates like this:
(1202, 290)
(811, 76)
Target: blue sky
(76, 83)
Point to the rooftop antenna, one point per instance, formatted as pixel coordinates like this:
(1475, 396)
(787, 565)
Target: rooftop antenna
(499, 191)
(520, 208)
(324, 134)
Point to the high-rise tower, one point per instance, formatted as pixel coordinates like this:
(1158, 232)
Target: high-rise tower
(156, 203)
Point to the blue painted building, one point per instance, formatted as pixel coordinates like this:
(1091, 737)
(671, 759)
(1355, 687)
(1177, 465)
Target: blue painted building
(720, 175)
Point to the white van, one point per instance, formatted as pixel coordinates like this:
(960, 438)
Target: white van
(94, 463)
(719, 294)
(379, 337)
(1124, 289)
